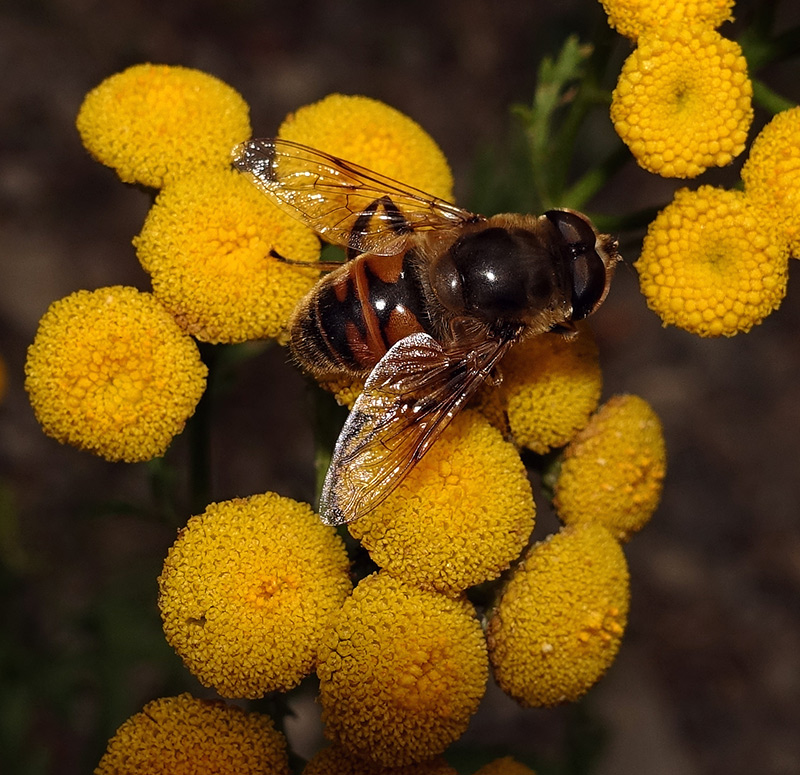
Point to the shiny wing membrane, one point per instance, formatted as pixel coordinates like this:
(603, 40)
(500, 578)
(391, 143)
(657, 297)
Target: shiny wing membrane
(344, 202)
(409, 399)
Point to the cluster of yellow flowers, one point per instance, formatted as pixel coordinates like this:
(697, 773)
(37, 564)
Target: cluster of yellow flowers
(255, 593)
(714, 261)
(683, 99)
(116, 371)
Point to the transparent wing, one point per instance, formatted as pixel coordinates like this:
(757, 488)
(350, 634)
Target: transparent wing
(344, 202)
(408, 400)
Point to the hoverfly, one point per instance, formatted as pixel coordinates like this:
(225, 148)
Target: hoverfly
(431, 299)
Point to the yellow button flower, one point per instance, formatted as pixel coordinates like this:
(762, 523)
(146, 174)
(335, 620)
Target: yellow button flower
(156, 123)
(771, 175)
(334, 760)
(460, 517)
(613, 471)
(710, 264)
(247, 591)
(505, 766)
(550, 386)
(109, 371)
(375, 135)
(206, 244)
(560, 621)
(633, 18)
(187, 736)
(683, 101)
(401, 673)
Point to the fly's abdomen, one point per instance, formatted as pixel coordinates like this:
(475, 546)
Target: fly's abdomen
(356, 313)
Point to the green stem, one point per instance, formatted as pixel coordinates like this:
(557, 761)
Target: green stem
(769, 99)
(589, 95)
(580, 192)
(625, 223)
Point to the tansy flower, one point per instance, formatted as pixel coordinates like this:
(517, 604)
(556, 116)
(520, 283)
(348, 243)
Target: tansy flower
(401, 672)
(771, 175)
(344, 389)
(186, 736)
(374, 135)
(505, 766)
(613, 471)
(710, 263)
(560, 621)
(550, 385)
(156, 123)
(247, 591)
(460, 517)
(207, 245)
(633, 18)
(683, 101)
(110, 371)
(334, 760)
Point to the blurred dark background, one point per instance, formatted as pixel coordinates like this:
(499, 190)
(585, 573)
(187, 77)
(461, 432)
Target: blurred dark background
(708, 679)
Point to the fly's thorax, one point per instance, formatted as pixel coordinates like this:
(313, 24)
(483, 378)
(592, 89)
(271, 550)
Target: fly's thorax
(507, 268)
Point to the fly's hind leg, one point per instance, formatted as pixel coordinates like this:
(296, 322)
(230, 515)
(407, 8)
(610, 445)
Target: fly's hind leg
(317, 266)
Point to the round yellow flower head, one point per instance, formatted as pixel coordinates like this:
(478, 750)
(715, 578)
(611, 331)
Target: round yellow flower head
(505, 766)
(374, 135)
(156, 123)
(613, 470)
(247, 591)
(334, 760)
(110, 371)
(186, 736)
(771, 175)
(560, 621)
(206, 244)
(710, 263)
(460, 517)
(683, 101)
(401, 672)
(633, 18)
(550, 387)
(345, 389)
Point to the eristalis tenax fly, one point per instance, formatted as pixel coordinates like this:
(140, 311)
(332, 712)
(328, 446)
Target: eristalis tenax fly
(431, 299)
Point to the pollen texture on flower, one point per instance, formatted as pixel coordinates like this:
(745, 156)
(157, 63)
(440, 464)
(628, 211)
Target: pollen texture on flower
(109, 371)
(187, 736)
(550, 385)
(460, 517)
(374, 135)
(613, 470)
(156, 123)
(206, 244)
(710, 263)
(401, 673)
(560, 621)
(771, 175)
(247, 591)
(335, 760)
(683, 101)
(633, 18)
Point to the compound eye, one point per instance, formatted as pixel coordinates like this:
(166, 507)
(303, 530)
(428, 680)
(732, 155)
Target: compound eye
(575, 229)
(586, 267)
